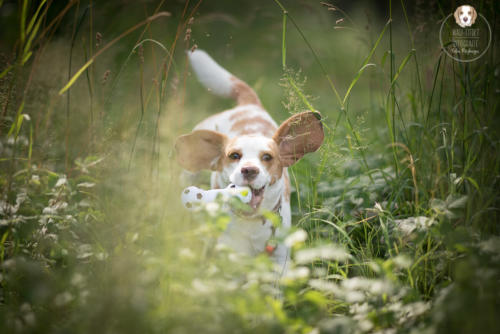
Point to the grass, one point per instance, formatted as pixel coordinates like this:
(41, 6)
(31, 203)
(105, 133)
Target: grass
(395, 219)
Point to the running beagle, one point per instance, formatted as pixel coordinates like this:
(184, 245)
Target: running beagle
(245, 146)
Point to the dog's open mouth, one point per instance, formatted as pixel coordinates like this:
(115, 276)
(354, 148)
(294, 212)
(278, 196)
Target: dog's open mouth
(257, 196)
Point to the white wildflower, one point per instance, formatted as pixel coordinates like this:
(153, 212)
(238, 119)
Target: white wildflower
(101, 256)
(201, 287)
(408, 225)
(78, 280)
(63, 298)
(62, 181)
(361, 309)
(86, 185)
(380, 287)
(84, 251)
(30, 319)
(212, 208)
(326, 252)
(325, 286)
(365, 325)
(354, 296)
(49, 211)
(373, 286)
(297, 273)
(492, 245)
(356, 283)
(402, 261)
(54, 208)
(296, 237)
(186, 253)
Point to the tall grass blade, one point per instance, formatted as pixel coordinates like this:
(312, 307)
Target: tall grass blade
(283, 42)
(107, 46)
(402, 66)
(7, 70)
(34, 17)
(16, 126)
(313, 52)
(353, 82)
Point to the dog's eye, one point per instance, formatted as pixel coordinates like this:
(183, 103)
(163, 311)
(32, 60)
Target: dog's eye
(469, 12)
(267, 157)
(235, 156)
(461, 13)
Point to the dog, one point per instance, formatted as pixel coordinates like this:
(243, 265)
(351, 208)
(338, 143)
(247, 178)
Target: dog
(465, 16)
(246, 147)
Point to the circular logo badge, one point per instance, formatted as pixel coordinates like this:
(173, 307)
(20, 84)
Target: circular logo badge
(465, 35)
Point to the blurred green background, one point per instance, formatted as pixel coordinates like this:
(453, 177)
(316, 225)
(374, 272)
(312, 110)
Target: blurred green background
(403, 194)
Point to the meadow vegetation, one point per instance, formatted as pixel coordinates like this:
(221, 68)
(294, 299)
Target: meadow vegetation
(395, 218)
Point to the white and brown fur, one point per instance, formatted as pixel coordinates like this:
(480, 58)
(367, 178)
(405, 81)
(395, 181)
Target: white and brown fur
(245, 146)
(465, 16)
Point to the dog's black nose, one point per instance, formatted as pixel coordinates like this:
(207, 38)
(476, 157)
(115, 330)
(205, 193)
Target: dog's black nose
(466, 18)
(249, 173)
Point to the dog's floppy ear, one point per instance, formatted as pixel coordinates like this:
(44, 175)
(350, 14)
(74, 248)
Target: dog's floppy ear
(300, 134)
(474, 15)
(201, 149)
(457, 14)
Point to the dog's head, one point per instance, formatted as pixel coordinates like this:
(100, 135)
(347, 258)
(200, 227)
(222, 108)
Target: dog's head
(465, 16)
(253, 160)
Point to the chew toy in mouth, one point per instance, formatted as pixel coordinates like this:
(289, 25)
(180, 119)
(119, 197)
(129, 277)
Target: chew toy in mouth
(257, 197)
(194, 197)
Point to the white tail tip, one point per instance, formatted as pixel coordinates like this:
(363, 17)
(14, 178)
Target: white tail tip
(211, 75)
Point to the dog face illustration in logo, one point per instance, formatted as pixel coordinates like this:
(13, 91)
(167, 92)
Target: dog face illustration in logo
(465, 16)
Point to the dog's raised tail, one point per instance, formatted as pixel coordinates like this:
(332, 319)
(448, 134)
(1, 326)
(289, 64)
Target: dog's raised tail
(219, 81)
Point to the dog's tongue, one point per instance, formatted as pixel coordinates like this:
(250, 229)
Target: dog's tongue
(257, 196)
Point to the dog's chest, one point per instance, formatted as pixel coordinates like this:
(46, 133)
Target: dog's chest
(247, 236)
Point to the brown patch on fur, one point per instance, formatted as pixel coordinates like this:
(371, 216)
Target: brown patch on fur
(238, 114)
(456, 14)
(474, 16)
(243, 93)
(201, 149)
(273, 166)
(300, 134)
(260, 124)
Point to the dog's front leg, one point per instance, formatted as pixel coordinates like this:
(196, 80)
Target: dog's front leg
(281, 255)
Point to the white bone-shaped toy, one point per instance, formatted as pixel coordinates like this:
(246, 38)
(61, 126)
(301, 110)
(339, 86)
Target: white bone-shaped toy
(193, 197)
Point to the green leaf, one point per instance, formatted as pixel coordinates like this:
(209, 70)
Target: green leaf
(7, 70)
(27, 52)
(356, 78)
(26, 57)
(23, 20)
(474, 183)
(16, 126)
(403, 64)
(456, 202)
(33, 19)
(365, 63)
(76, 76)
